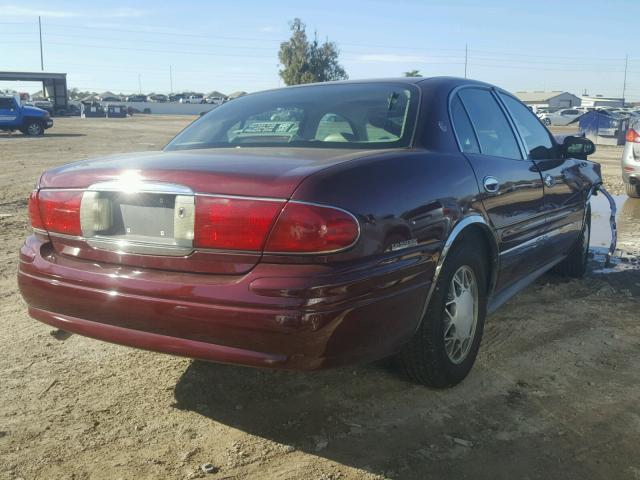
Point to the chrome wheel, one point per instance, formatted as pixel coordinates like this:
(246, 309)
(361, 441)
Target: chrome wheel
(461, 314)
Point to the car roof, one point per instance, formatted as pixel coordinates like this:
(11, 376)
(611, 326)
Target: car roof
(424, 83)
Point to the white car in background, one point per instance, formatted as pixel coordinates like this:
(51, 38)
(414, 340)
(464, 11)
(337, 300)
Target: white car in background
(214, 100)
(561, 117)
(192, 99)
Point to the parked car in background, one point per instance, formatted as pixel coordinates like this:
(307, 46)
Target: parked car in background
(137, 98)
(27, 119)
(214, 100)
(631, 160)
(561, 117)
(41, 104)
(110, 98)
(192, 99)
(358, 220)
(158, 98)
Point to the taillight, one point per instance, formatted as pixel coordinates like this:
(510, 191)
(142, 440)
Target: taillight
(34, 211)
(633, 136)
(233, 223)
(305, 228)
(60, 211)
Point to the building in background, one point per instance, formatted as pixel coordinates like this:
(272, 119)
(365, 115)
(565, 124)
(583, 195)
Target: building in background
(551, 100)
(54, 85)
(600, 101)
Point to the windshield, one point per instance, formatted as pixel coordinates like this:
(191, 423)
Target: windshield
(377, 115)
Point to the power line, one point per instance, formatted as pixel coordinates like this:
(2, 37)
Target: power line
(624, 83)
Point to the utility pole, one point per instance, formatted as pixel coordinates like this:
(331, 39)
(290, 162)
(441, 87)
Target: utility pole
(466, 58)
(170, 80)
(624, 84)
(139, 85)
(41, 57)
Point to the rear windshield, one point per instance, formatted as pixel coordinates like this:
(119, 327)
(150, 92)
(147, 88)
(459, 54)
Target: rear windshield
(339, 116)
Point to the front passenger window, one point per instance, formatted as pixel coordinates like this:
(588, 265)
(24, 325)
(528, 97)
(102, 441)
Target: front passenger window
(535, 136)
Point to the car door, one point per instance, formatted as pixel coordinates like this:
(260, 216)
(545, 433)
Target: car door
(8, 111)
(565, 187)
(510, 186)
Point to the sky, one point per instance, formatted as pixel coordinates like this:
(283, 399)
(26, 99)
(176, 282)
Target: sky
(567, 45)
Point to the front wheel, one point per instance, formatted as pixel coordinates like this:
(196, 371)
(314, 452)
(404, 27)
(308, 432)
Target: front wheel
(444, 348)
(34, 129)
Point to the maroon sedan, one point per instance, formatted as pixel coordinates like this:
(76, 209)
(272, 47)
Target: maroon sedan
(315, 226)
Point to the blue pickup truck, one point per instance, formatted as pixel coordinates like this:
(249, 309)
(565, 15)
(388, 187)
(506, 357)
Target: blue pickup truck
(29, 120)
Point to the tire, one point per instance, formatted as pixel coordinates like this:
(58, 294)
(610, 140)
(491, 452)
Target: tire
(547, 122)
(575, 265)
(34, 129)
(632, 190)
(426, 359)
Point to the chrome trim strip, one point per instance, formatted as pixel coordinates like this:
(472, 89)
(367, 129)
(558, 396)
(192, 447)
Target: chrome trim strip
(181, 190)
(141, 186)
(540, 238)
(40, 231)
(242, 197)
(138, 248)
(525, 244)
(67, 237)
(176, 247)
(60, 189)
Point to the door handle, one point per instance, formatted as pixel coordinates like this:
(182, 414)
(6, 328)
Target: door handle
(549, 181)
(491, 184)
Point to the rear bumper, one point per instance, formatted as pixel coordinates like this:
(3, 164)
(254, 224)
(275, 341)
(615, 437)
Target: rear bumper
(155, 342)
(278, 316)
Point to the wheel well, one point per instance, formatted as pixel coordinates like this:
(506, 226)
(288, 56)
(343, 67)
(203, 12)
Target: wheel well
(480, 234)
(29, 120)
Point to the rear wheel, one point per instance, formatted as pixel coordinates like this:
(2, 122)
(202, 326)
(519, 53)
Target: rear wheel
(445, 346)
(547, 121)
(632, 190)
(34, 129)
(575, 265)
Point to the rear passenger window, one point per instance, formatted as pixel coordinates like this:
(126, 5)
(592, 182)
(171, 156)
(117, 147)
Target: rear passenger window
(491, 126)
(462, 126)
(536, 138)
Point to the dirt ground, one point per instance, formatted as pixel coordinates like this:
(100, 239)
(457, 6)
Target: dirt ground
(554, 393)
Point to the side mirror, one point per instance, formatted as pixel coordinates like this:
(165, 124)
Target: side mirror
(577, 147)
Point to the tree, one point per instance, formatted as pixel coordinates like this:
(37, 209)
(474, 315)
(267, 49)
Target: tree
(306, 62)
(412, 73)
